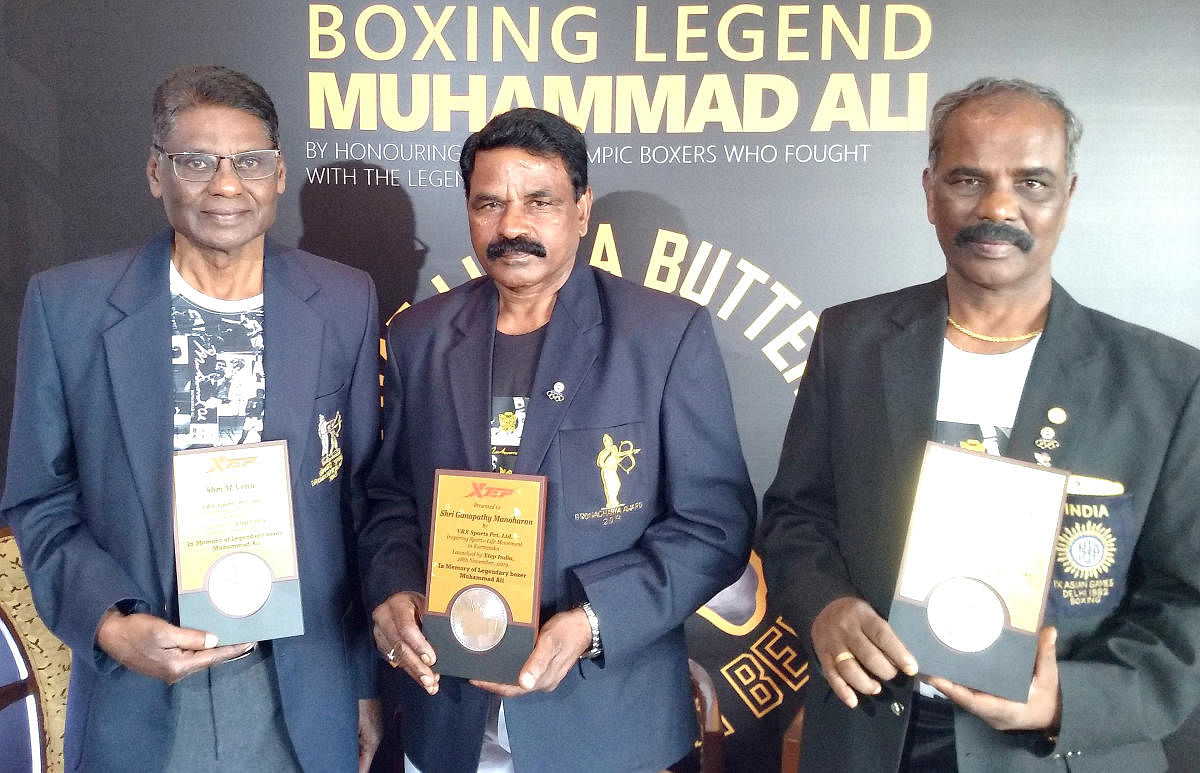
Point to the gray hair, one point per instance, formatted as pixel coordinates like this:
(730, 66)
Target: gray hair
(211, 85)
(986, 87)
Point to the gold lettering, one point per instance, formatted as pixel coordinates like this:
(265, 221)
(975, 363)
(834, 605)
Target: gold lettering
(587, 37)
(633, 101)
(502, 20)
(753, 684)
(360, 32)
(640, 54)
(783, 298)
(714, 102)
(924, 31)
(595, 101)
(754, 86)
(472, 103)
(832, 17)
(751, 274)
(317, 30)
(661, 259)
(754, 36)
(782, 655)
(433, 33)
(604, 250)
(688, 289)
(787, 32)
(840, 102)
(361, 93)
(791, 336)
(684, 33)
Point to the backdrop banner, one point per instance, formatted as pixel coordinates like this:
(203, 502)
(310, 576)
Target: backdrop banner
(762, 159)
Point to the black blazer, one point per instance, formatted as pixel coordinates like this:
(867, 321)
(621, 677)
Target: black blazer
(835, 521)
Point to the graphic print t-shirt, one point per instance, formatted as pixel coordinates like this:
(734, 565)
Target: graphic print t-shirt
(979, 396)
(514, 358)
(977, 405)
(217, 366)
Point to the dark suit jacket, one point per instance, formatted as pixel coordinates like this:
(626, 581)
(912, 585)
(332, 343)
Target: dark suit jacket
(89, 485)
(835, 521)
(640, 366)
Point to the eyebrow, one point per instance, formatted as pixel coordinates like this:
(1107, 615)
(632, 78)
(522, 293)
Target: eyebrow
(540, 193)
(1032, 171)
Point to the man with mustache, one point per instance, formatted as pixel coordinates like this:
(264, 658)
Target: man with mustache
(532, 369)
(210, 335)
(997, 357)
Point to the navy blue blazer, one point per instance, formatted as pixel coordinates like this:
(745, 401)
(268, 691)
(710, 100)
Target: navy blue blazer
(633, 363)
(836, 517)
(89, 485)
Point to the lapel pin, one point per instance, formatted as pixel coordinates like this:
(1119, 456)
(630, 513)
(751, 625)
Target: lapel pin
(1056, 415)
(1046, 442)
(557, 393)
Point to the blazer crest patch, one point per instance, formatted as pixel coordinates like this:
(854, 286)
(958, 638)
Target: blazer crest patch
(328, 432)
(615, 462)
(1091, 555)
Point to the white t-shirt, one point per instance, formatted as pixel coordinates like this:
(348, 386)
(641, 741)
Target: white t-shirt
(978, 398)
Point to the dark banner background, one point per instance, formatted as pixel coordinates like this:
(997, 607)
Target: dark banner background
(766, 209)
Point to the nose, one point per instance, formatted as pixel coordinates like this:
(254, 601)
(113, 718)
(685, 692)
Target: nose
(225, 181)
(998, 203)
(514, 221)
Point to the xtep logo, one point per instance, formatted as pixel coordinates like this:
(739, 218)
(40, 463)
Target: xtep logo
(484, 490)
(222, 463)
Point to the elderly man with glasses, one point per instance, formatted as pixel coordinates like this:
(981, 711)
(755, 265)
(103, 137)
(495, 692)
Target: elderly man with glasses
(209, 335)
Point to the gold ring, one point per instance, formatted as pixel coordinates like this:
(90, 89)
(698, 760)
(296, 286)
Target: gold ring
(391, 654)
(841, 657)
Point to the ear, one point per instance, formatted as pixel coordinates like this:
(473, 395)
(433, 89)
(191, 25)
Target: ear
(927, 182)
(584, 208)
(154, 172)
(281, 176)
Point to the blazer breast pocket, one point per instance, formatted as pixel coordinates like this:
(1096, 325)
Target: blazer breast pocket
(328, 414)
(1092, 556)
(608, 474)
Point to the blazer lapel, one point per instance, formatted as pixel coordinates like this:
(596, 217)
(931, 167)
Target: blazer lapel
(1066, 375)
(293, 334)
(568, 352)
(137, 351)
(470, 362)
(911, 371)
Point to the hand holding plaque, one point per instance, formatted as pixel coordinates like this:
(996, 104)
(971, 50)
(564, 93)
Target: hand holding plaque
(484, 574)
(235, 545)
(972, 587)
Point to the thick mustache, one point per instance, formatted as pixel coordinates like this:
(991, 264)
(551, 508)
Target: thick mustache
(504, 246)
(994, 232)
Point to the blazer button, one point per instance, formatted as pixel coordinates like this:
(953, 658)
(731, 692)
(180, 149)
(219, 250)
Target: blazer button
(897, 708)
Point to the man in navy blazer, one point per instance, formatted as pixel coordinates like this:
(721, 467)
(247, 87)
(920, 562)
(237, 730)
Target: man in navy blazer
(210, 335)
(618, 395)
(995, 356)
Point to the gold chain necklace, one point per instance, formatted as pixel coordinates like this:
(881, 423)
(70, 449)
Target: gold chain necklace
(993, 339)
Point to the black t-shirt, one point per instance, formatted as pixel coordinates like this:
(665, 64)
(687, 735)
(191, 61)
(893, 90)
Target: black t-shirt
(514, 360)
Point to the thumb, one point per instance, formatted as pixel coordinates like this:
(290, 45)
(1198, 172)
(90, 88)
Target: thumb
(1045, 665)
(537, 663)
(193, 639)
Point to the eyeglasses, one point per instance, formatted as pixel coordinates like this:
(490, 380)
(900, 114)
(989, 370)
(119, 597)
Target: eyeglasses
(202, 167)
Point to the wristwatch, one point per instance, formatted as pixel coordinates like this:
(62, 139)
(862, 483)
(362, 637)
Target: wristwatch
(594, 623)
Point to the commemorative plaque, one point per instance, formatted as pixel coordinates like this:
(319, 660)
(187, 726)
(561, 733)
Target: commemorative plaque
(977, 563)
(235, 545)
(484, 576)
